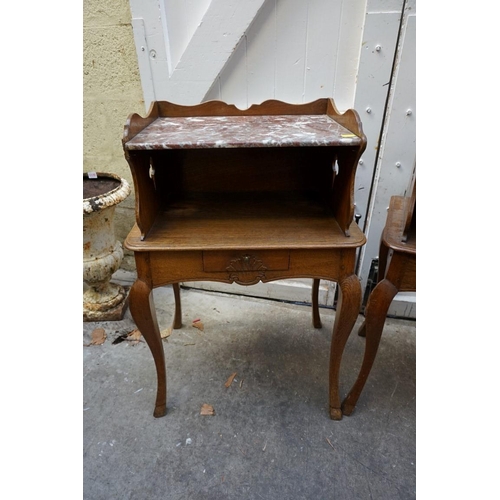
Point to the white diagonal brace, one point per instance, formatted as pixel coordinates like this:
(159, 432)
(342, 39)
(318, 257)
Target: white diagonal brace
(218, 34)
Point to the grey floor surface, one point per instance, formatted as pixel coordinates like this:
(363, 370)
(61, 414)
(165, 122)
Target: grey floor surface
(271, 436)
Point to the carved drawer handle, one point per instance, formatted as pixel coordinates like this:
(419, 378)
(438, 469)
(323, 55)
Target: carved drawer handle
(246, 270)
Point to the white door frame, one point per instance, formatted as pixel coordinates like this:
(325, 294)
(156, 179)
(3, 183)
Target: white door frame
(393, 163)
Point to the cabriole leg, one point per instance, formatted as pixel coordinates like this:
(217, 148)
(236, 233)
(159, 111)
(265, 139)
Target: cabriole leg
(144, 314)
(347, 312)
(315, 304)
(178, 309)
(376, 311)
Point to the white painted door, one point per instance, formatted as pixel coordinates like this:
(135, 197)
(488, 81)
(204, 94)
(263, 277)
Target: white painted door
(293, 50)
(387, 61)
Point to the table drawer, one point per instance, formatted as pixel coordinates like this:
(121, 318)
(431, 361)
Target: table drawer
(246, 261)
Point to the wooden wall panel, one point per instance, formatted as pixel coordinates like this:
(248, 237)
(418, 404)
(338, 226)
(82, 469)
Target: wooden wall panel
(296, 51)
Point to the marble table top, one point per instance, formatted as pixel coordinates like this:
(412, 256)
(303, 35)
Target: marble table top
(199, 132)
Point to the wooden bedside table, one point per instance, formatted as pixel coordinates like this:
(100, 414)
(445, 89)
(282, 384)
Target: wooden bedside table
(242, 196)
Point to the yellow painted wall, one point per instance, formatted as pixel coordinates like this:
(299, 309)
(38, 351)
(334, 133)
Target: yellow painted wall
(111, 91)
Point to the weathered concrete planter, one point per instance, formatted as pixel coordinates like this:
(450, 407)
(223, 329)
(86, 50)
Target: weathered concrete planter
(102, 253)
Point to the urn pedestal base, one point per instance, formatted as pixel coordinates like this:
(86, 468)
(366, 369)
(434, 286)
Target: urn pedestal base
(105, 306)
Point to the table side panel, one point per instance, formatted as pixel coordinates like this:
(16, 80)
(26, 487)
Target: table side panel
(147, 202)
(401, 270)
(409, 278)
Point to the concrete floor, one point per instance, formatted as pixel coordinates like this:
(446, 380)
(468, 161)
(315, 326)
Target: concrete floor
(271, 436)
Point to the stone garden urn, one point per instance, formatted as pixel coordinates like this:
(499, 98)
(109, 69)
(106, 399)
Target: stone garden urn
(102, 253)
